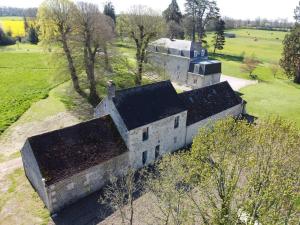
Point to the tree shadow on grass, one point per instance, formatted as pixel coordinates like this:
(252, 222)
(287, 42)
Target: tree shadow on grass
(226, 57)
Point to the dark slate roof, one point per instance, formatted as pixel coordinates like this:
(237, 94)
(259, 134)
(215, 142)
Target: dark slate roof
(205, 102)
(65, 152)
(142, 105)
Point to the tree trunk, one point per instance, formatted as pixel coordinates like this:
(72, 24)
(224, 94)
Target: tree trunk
(71, 66)
(138, 79)
(297, 77)
(106, 59)
(89, 68)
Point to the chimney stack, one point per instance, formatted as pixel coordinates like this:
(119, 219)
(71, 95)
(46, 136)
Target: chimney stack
(111, 89)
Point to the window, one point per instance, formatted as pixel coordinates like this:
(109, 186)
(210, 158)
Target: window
(175, 140)
(176, 122)
(195, 81)
(156, 151)
(144, 159)
(178, 67)
(145, 133)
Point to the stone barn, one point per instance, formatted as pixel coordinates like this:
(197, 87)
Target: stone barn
(133, 128)
(184, 62)
(68, 164)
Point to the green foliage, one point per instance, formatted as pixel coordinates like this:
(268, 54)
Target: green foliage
(33, 36)
(235, 171)
(219, 38)
(6, 39)
(290, 61)
(172, 13)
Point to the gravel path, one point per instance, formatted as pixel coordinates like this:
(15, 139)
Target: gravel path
(237, 83)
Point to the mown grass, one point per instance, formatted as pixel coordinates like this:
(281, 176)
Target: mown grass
(273, 95)
(20, 202)
(26, 76)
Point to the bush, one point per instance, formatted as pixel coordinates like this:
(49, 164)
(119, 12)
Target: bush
(6, 39)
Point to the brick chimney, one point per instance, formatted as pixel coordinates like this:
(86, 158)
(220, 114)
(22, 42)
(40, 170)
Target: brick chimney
(111, 89)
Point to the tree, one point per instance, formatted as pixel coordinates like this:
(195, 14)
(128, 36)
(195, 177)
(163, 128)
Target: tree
(219, 38)
(249, 65)
(143, 25)
(120, 193)
(274, 68)
(33, 36)
(122, 21)
(172, 13)
(5, 39)
(247, 172)
(55, 19)
(290, 60)
(109, 10)
(93, 32)
(201, 13)
(297, 13)
(175, 30)
(173, 19)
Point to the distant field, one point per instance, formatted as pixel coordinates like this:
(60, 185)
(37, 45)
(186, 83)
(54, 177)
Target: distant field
(272, 96)
(14, 25)
(26, 76)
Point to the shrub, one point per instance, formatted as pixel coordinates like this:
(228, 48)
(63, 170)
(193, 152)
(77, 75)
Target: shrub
(6, 39)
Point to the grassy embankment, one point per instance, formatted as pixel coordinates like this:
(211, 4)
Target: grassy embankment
(273, 95)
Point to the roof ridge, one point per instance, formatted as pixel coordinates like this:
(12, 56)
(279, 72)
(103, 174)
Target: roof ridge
(145, 85)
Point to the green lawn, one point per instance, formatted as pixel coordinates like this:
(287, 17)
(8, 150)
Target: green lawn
(26, 76)
(272, 96)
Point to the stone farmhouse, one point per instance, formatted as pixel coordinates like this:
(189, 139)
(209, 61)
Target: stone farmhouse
(184, 62)
(132, 128)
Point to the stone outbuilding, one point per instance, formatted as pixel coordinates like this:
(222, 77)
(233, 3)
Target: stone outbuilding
(184, 62)
(133, 128)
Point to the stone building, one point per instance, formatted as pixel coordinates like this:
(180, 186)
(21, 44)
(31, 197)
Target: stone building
(184, 62)
(133, 127)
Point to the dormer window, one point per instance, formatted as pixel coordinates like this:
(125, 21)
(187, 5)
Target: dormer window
(145, 133)
(176, 122)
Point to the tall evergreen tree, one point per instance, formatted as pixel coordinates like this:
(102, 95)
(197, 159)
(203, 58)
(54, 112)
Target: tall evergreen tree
(219, 38)
(173, 18)
(172, 13)
(109, 10)
(33, 36)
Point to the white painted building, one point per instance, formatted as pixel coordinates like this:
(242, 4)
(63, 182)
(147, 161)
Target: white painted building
(184, 62)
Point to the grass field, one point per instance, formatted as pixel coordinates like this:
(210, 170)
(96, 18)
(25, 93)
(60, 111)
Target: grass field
(272, 96)
(26, 76)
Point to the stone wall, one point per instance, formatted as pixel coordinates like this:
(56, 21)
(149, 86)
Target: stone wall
(161, 133)
(192, 130)
(197, 80)
(175, 67)
(105, 107)
(86, 182)
(33, 173)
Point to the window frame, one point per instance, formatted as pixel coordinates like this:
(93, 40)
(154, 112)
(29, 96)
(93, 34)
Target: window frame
(176, 122)
(144, 157)
(145, 133)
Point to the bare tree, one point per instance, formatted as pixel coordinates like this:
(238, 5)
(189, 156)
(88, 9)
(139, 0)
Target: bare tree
(120, 195)
(93, 31)
(250, 64)
(55, 18)
(143, 25)
(275, 68)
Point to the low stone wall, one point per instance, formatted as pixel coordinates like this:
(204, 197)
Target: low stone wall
(86, 182)
(192, 130)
